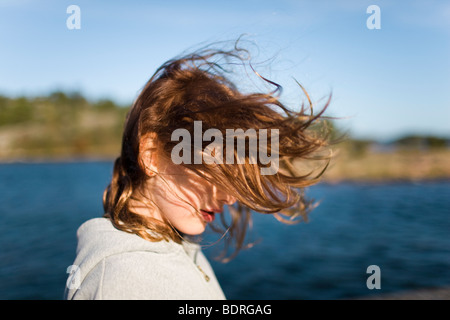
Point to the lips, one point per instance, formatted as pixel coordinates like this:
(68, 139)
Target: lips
(208, 215)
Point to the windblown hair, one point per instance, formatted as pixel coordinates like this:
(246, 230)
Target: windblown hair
(195, 87)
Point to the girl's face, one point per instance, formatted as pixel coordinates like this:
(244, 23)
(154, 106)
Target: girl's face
(188, 201)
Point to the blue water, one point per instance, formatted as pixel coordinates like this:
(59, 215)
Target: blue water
(404, 228)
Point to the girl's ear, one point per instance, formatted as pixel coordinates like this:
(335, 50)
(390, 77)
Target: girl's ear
(148, 157)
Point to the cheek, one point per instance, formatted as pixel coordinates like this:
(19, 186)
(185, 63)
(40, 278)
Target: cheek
(179, 197)
(186, 220)
(185, 192)
(180, 213)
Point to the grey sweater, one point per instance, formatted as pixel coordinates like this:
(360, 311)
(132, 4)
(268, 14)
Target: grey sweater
(113, 264)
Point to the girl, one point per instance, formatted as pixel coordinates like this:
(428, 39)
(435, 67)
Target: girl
(165, 190)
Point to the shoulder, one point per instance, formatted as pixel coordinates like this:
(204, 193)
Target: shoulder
(118, 265)
(135, 275)
(143, 275)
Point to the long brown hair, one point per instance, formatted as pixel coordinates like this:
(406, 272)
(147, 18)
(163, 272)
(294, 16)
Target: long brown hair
(195, 87)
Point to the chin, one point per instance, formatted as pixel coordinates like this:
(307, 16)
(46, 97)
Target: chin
(192, 226)
(194, 232)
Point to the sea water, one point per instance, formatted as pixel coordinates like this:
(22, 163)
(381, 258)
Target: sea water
(403, 228)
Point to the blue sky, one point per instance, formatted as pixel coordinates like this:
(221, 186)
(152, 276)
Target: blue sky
(385, 83)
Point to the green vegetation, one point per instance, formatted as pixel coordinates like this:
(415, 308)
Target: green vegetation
(428, 142)
(59, 126)
(66, 126)
(397, 164)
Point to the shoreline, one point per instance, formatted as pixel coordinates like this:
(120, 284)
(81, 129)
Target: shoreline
(433, 293)
(45, 160)
(384, 181)
(333, 180)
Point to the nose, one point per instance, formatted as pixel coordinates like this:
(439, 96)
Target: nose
(223, 196)
(230, 200)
